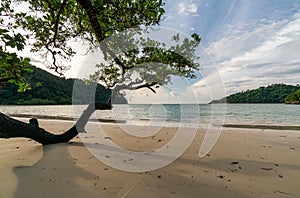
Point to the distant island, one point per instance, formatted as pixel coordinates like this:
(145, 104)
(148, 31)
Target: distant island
(48, 89)
(276, 93)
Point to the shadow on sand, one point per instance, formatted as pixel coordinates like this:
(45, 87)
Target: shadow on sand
(55, 174)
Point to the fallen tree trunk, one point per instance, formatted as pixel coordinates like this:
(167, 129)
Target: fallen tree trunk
(12, 128)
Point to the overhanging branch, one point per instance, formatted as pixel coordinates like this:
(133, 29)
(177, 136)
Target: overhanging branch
(11, 128)
(147, 85)
(128, 87)
(93, 18)
(57, 21)
(92, 15)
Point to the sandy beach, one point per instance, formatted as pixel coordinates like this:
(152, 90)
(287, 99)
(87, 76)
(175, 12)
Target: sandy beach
(243, 163)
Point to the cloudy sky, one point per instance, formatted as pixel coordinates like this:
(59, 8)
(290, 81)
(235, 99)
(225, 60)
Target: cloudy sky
(245, 44)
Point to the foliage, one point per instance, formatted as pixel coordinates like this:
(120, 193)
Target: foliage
(141, 61)
(293, 97)
(53, 25)
(12, 67)
(275, 93)
(48, 89)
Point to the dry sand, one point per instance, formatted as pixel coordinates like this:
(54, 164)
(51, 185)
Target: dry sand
(243, 163)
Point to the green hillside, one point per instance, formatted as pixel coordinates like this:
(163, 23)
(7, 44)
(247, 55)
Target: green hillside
(275, 93)
(52, 90)
(293, 98)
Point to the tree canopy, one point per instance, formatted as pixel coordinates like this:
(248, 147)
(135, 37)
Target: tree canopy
(51, 26)
(293, 98)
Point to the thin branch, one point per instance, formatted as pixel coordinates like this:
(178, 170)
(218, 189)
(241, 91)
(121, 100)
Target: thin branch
(147, 85)
(128, 87)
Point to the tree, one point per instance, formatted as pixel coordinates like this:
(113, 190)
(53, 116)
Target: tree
(139, 62)
(13, 68)
(293, 98)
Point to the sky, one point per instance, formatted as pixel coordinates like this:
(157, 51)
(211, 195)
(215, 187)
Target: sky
(245, 44)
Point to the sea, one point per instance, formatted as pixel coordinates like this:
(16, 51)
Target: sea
(189, 115)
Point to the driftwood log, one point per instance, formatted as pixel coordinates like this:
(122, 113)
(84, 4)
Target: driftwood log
(12, 128)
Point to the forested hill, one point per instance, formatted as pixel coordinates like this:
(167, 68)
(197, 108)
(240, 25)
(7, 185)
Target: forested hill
(293, 98)
(276, 93)
(50, 89)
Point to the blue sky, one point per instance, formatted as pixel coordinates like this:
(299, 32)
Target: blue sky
(246, 44)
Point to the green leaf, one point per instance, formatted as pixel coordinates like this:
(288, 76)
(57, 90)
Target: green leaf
(26, 61)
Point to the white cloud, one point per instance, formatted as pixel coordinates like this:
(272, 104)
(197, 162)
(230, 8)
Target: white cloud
(237, 42)
(253, 49)
(185, 8)
(268, 54)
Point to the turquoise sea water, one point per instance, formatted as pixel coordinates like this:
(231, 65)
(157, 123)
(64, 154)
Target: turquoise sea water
(202, 114)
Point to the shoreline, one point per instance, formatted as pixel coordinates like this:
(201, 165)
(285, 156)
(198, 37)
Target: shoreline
(47, 117)
(262, 126)
(104, 120)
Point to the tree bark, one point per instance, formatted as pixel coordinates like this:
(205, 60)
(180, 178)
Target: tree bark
(12, 128)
